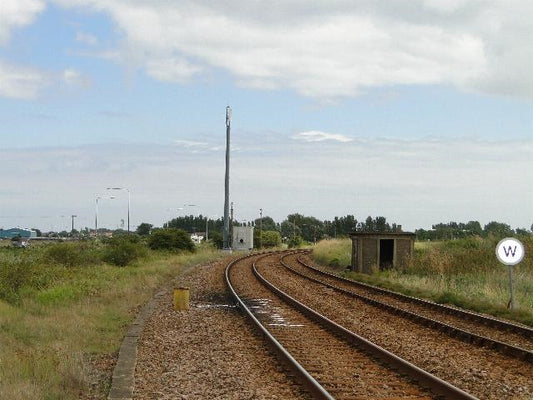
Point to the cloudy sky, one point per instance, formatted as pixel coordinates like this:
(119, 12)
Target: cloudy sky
(417, 110)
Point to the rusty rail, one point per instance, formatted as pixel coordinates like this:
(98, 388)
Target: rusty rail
(437, 385)
(468, 337)
(303, 376)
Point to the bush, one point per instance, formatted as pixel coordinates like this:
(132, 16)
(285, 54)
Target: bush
(22, 270)
(216, 238)
(13, 276)
(123, 250)
(295, 242)
(72, 254)
(271, 239)
(170, 239)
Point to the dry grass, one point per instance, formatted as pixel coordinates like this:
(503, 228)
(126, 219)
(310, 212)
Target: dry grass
(49, 338)
(461, 272)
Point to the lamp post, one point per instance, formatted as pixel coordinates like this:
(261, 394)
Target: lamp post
(129, 201)
(96, 213)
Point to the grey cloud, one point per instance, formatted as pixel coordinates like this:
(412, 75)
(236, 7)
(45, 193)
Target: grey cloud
(416, 182)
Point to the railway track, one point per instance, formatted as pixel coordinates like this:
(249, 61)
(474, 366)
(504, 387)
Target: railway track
(332, 361)
(508, 338)
(480, 371)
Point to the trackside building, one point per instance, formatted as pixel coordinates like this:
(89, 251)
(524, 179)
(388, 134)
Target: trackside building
(380, 250)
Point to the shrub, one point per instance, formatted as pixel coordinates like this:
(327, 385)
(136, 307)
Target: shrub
(216, 238)
(271, 239)
(72, 254)
(170, 239)
(295, 242)
(123, 250)
(19, 271)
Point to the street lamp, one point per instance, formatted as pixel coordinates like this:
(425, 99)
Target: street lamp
(96, 213)
(129, 201)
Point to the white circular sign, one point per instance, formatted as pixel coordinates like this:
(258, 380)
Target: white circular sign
(510, 251)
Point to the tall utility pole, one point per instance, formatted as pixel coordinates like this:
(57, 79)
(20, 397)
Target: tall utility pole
(225, 234)
(260, 228)
(72, 216)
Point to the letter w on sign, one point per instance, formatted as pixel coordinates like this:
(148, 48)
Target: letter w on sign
(509, 251)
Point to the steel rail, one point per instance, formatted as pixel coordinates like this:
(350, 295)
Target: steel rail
(437, 385)
(304, 377)
(468, 337)
(468, 315)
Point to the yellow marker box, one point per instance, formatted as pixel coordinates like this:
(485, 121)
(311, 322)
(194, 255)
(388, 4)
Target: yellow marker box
(181, 299)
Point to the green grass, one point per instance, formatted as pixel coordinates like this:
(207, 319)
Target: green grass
(462, 272)
(56, 316)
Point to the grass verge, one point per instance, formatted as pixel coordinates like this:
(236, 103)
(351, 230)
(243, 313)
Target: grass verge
(464, 273)
(61, 328)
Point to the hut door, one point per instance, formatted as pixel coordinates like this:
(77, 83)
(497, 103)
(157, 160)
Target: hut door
(386, 253)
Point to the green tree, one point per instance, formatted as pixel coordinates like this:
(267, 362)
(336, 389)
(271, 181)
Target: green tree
(497, 229)
(289, 229)
(144, 229)
(521, 231)
(474, 228)
(268, 224)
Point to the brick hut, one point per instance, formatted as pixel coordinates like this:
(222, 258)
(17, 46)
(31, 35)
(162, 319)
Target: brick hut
(380, 249)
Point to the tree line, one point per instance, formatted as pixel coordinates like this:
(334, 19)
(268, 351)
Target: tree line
(298, 227)
(294, 228)
(458, 230)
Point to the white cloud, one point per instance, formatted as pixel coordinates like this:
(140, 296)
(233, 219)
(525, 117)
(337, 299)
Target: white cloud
(21, 82)
(16, 81)
(86, 38)
(191, 144)
(171, 70)
(333, 48)
(318, 136)
(16, 14)
(75, 78)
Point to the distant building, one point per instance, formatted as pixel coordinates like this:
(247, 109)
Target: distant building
(17, 232)
(197, 237)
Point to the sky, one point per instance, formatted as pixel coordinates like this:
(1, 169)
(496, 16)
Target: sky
(417, 110)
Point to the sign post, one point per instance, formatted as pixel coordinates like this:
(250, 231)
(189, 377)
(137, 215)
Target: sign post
(510, 252)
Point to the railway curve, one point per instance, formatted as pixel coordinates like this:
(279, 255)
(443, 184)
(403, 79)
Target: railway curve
(343, 363)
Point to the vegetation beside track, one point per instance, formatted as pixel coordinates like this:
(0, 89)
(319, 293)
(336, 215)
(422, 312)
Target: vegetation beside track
(462, 272)
(64, 312)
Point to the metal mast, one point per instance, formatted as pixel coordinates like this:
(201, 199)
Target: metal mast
(225, 234)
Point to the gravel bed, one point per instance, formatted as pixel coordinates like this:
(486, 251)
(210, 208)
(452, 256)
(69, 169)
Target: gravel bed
(478, 371)
(207, 352)
(499, 334)
(343, 370)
